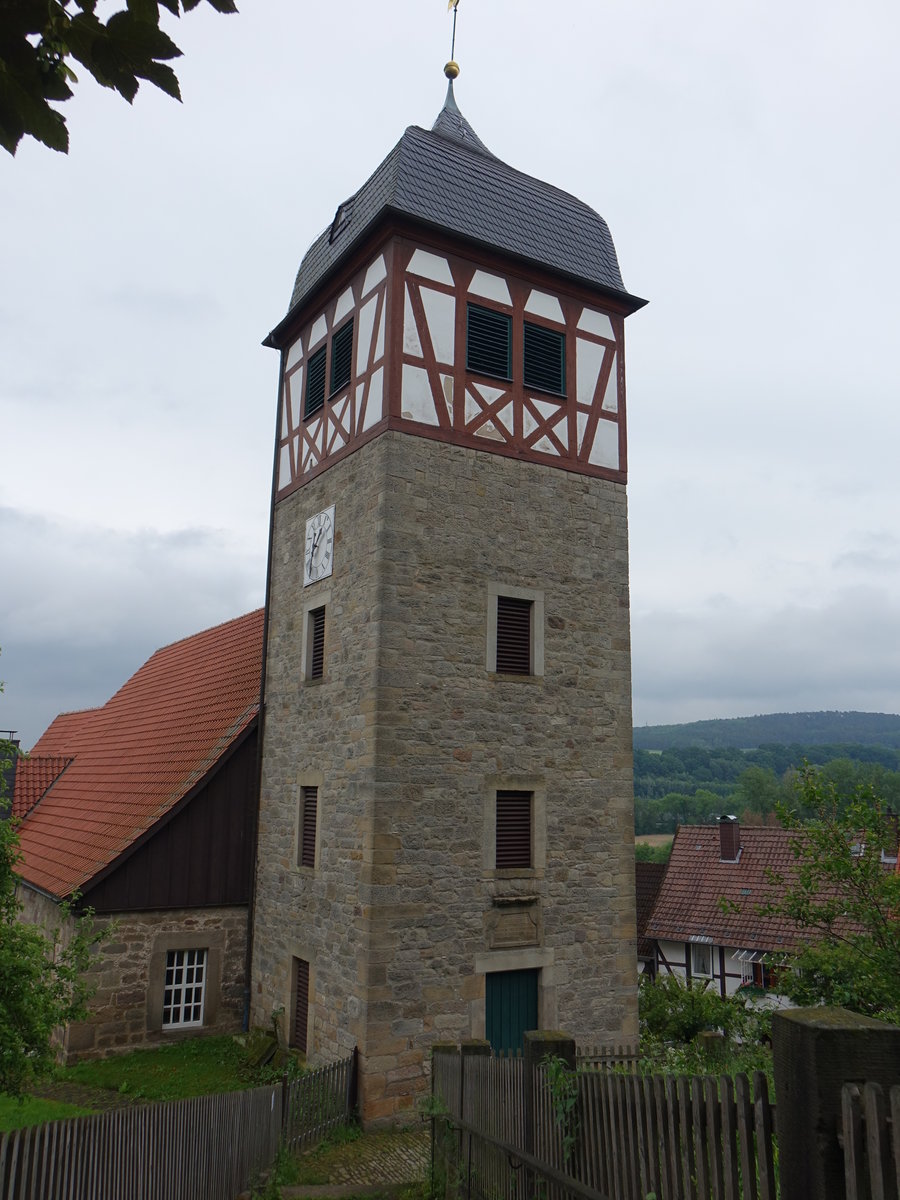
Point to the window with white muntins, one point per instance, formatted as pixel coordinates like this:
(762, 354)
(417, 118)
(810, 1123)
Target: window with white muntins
(185, 988)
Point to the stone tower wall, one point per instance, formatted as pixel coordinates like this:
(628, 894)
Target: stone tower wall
(410, 735)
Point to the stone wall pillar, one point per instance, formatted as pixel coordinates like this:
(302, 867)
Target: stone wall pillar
(816, 1051)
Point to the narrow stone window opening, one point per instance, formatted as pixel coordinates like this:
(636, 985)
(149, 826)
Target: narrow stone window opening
(309, 812)
(514, 636)
(316, 644)
(514, 821)
(300, 1022)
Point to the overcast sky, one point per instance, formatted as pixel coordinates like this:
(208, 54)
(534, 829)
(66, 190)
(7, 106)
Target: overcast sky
(746, 158)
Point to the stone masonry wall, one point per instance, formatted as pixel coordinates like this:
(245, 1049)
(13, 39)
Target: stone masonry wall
(409, 737)
(128, 973)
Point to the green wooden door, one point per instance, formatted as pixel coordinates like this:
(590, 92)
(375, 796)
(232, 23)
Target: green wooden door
(511, 1008)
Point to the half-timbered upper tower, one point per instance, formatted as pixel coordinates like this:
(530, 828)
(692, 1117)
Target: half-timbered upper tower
(446, 828)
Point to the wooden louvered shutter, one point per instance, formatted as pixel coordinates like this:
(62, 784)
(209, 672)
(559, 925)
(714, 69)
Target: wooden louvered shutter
(488, 337)
(545, 359)
(308, 816)
(315, 383)
(317, 643)
(513, 830)
(513, 636)
(341, 357)
(301, 1004)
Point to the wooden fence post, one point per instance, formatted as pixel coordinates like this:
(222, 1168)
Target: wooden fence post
(541, 1044)
(816, 1051)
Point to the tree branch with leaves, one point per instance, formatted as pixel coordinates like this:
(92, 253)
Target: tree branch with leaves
(843, 897)
(40, 40)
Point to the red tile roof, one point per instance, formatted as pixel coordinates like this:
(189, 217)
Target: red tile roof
(648, 877)
(33, 776)
(696, 880)
(138, 755)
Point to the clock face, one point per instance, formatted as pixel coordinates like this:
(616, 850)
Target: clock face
(318, 557)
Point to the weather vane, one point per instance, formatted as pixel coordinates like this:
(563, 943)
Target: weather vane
(451, 70)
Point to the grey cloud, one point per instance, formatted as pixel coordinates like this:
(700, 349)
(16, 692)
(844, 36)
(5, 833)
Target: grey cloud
(84, 606)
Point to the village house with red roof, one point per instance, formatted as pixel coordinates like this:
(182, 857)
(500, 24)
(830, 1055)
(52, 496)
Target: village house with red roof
(144, 810)
(706, 923)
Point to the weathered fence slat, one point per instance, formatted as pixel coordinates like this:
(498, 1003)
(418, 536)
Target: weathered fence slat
(763, 1125)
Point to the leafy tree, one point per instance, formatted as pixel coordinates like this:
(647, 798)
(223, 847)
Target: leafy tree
(42, 982)
(644, 852)
(845, 900)
(40, 38)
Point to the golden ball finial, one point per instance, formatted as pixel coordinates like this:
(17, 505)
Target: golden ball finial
(451, 70)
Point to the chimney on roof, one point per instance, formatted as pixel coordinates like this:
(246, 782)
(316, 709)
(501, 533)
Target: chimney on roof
(729, 839)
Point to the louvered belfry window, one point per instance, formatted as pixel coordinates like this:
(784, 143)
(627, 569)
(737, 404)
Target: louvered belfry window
(513, 636)
(513, 830)
(315, 383)
(309, 806)
(301, 1004)
(316, 648)
(341, 357)
(545, 359)
(488, 338)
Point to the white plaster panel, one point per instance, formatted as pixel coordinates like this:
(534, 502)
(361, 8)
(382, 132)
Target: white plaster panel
(416, 400)
(588, 361)
(294, 354)
(430, 266)
(505, 414)
(545, 408)
(314, 430)
(488, 394)
(561, 431)
(376, 272)
(340, 410)
(529, 424)
(343, 306)
(543, 305)
(318, 331)
(440, 313)
(285, 424)
(296, 397)
(491, 287)
(364, 337)
(379, 340)
(611, 395)
(447, 385)
(581, 420)
(546, 446)
(473, 408)
(605, 450)
(284, 467)
(374, 411)
(596, 322)
(411, 343)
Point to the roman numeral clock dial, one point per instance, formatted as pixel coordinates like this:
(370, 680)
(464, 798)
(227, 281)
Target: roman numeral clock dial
(318, 557)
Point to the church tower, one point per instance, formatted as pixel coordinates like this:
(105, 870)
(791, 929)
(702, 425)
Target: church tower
(446, 826)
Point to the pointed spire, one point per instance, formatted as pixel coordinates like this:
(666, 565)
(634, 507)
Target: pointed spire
(451, 124)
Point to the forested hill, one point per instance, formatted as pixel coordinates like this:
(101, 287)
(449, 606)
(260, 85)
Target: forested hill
(743, 733)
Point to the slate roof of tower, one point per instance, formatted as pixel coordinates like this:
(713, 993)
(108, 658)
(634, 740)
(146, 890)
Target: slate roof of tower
(132, 760)
(447, 178)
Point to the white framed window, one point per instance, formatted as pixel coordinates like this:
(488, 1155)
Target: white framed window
(185, 988)
(701, 959)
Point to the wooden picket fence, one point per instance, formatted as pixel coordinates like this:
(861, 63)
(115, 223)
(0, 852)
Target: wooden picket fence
(206, 1148)
(870, 1129)
(625, 1136)
(623, 1058)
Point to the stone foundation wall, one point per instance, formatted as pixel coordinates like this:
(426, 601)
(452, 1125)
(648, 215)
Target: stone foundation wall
(129, 970)
(410, 735)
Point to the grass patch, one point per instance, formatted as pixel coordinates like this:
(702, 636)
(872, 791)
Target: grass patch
(15, 1114)
(193, 1067)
